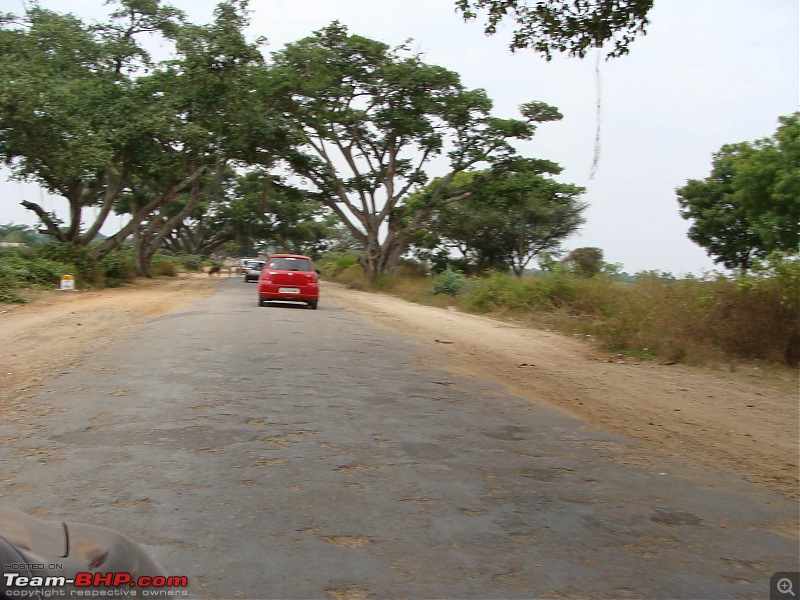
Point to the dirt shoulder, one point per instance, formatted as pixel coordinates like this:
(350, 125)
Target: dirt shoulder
(40, 339)
(705, 416)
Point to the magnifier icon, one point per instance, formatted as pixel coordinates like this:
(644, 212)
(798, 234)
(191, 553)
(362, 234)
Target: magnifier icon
(784, 586)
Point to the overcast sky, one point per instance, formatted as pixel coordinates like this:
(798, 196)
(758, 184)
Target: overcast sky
(709, 72)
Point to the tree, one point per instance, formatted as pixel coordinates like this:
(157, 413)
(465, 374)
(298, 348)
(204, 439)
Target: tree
(749, 205)
(767, 185)
(206, 95)
(569, 26)
(67, 113)
(586, 261)
(509, 217)
(365, 121)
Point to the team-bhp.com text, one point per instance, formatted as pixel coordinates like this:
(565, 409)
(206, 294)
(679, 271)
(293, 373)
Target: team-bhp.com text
(98, 584)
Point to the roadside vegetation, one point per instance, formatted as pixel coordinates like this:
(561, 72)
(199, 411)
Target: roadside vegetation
(25, 270)
(710, 320)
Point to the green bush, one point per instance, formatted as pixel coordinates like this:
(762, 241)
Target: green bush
(23, 268)
(347, 260)
(118, 268)
(500, 292)
(335, 262)
(47, 272)
(449, 282)
(86, 270)
(33, 271)
(8, 289)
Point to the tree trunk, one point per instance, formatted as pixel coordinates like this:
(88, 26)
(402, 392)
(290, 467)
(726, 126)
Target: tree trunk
(392, 252)
(142, 266)
(373, 264)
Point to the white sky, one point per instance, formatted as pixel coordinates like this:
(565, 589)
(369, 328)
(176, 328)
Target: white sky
(709, 72)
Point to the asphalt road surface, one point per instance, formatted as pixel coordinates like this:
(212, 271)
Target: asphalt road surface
(282, 452)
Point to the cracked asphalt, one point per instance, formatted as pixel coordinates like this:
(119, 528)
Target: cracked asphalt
(281, 452)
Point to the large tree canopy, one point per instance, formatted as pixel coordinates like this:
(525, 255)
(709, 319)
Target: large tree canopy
(207, 90)
(507, 218)
(85, 113)
(71, 117)
(749, 205)
(569, 26)
(366, 120)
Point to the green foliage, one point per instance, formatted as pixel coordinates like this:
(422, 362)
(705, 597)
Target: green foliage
(69, 115)
(118, 268)
(750, 204)
(9, 278)
(26, 269)
(499, 292)
(33, 271)
(501, 218)
(41, 271)
(570, 26)
(767, 185)
(8, 290)
(449, 282)
(334, 263)
(85, 267)
(343, 262)
(43, 267)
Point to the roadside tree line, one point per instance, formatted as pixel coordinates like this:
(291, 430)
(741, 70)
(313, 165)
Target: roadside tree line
(331, 140)
(217, 144)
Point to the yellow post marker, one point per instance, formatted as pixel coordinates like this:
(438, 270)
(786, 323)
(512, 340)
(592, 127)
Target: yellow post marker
(67, 282)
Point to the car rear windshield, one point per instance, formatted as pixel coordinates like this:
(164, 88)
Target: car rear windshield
(290, 264)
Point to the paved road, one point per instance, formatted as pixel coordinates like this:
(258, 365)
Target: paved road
(288, 453)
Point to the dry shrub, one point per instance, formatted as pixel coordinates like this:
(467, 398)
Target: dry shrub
(759, 316)
(693, 320)
(164, 268)
(698, 321)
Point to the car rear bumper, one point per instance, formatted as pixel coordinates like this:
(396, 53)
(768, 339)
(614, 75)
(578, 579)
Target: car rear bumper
(272, 291)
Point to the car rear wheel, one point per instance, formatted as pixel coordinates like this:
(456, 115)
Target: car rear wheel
(262, 302)
(312, 304)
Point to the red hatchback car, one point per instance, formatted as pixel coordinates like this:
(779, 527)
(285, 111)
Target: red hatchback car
(289, 277)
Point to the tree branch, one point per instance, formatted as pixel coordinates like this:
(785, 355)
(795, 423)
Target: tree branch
(46, 219)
